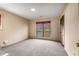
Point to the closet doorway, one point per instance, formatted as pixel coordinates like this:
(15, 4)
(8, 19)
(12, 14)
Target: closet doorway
(62, 30)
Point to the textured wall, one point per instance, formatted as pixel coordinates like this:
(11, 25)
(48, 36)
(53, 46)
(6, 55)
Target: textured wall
(71, 29)
(14, 28)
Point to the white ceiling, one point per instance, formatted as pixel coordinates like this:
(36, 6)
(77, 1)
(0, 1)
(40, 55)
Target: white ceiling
(43, 10)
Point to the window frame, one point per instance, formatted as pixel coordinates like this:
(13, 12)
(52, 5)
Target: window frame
(43, 23)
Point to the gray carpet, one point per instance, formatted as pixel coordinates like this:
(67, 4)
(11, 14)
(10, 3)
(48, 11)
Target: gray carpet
(34, 47)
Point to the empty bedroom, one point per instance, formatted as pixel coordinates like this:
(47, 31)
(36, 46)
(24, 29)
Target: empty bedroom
(39, 29)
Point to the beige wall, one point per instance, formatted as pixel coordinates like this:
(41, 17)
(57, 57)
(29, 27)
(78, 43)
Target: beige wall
(71, 29)
(55, 28)
(14, 28)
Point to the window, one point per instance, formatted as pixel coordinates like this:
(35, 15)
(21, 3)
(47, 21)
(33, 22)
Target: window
(0, 23)
(43, 29)
(0, 20)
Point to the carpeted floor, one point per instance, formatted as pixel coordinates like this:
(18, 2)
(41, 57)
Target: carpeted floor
(34, 47)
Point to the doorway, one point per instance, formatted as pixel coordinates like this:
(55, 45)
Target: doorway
(62, 30)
